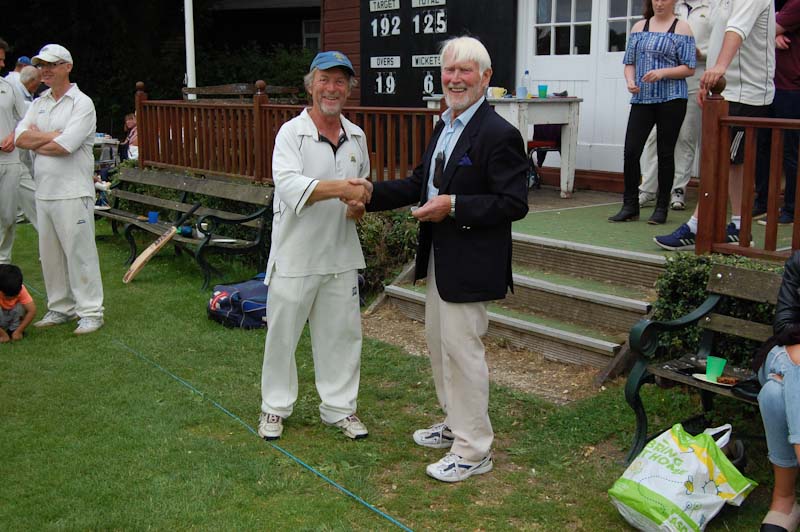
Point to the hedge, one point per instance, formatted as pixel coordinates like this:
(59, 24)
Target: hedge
(681, 289)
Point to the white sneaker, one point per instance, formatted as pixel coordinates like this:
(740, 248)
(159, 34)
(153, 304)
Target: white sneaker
(270, 426)
(678, 200)
(351, 426)
(88, 325)
(53, 317)
(453, 468)
(436, 436)
(646, 199)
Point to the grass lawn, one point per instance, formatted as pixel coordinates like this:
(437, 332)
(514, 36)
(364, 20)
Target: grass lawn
(95, 436)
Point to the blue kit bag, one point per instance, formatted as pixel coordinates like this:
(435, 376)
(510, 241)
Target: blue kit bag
(242, 304)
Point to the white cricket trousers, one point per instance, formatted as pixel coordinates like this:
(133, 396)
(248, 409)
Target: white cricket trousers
(460, 373)
(68, 252)
(10, 176)
(330, 304)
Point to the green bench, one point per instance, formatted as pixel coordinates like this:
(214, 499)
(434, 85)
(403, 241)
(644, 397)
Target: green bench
(241, 230)
(724, 282)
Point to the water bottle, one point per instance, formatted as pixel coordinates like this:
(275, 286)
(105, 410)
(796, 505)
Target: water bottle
(525, 82)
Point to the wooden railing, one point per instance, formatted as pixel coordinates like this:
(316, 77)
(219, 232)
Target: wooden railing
(714, 182)
(236, 139)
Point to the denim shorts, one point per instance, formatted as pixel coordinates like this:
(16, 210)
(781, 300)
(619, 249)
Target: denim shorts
(10, 319)
(779, 402)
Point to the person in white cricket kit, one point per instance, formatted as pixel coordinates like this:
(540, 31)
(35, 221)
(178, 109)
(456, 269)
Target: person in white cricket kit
(60, 127)
(312, 271)
(12, 170)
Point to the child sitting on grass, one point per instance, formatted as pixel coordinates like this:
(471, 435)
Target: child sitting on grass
(17, 308)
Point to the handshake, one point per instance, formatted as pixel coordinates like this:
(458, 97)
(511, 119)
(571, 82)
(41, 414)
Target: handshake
(356, 194)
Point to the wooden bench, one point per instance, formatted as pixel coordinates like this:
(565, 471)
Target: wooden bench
(724, 282)
(172, 194)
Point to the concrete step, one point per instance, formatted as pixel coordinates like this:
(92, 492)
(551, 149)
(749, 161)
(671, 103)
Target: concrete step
(555, 343)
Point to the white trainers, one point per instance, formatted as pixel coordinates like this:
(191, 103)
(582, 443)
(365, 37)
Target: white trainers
(646, 199)
(678, 200)
(453, 468)
(436, 436)
(88, 325)
(351, 426)
(270, 426)
(53, 317)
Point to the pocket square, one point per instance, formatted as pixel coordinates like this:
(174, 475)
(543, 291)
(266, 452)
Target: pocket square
(465, 161)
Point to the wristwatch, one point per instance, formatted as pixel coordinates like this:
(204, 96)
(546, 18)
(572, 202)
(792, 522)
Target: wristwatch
(453, 205)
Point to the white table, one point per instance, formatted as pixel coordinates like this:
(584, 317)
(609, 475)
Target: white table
(551, 110)
(105, 152)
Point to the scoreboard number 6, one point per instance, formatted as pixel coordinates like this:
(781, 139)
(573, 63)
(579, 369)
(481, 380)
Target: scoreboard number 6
(427, 83)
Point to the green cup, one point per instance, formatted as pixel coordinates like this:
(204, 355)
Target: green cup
(542, 91)
(714, 367)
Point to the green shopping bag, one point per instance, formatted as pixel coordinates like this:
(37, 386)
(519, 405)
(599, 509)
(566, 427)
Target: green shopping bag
(679, 482)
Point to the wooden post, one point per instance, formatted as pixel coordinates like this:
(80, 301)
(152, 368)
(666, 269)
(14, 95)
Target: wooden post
(260, 145)
(142, 126)
(713, 192)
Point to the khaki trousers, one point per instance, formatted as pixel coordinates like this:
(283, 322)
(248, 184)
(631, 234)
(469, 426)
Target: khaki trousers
(460, 374)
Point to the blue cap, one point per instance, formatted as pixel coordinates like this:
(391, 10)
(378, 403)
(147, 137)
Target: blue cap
(24, 60)
(326, 60)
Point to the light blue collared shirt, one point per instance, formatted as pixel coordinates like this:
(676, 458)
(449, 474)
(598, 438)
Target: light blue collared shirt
(449, 138)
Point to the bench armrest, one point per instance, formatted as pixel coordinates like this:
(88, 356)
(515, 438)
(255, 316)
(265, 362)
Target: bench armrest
(215, 221)
(643, 338)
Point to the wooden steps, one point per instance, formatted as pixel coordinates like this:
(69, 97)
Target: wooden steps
(562, 318)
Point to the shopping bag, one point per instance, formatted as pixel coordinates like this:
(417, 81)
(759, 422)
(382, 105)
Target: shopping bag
(679, 482)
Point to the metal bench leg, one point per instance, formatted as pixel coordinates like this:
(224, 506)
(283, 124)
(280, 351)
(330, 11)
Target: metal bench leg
(707, 400)
(115, 227)
(200, 257)
(131, 242)
(638, 376)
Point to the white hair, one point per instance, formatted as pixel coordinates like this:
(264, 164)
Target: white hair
(28, 74)
(467, 49)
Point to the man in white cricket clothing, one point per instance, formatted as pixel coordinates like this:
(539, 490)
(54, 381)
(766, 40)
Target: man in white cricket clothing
(320, 158)
(60, 127)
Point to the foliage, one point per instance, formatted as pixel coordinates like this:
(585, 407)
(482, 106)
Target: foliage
(389, 240)
(682, 288)
(278, 66)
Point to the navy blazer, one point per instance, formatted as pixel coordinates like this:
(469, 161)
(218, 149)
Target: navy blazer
(487, 172)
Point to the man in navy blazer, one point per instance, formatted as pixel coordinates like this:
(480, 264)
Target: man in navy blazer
(471, 184)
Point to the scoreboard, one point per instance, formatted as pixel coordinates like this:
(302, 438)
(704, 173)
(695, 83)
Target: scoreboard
(400, 42)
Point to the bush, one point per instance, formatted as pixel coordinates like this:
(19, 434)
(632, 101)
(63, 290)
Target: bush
(682, 288)
(389, 240)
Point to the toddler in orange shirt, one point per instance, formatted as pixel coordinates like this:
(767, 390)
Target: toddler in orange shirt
(17, 308)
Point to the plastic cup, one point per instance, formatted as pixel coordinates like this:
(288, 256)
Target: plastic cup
(714, 367)
(542, 91)
(152, 217)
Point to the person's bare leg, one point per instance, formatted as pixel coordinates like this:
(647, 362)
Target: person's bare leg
(783, 493)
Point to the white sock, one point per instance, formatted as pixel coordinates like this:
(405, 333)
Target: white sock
(692, 223)
(737, 221)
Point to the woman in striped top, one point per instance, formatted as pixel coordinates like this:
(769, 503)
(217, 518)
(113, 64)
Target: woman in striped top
(659, 57)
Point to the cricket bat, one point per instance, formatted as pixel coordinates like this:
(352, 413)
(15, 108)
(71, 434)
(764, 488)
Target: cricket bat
(145, 256)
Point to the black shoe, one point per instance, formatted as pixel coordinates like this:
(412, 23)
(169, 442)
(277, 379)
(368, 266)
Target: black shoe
(627, 213)
(759, 212)
(659, 216)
